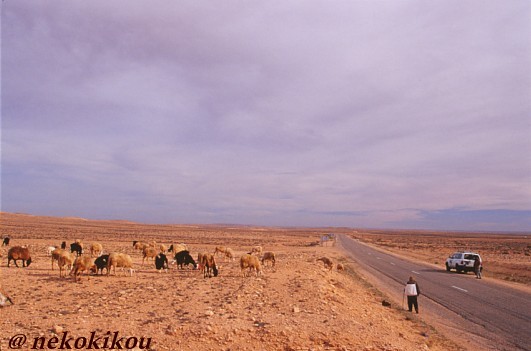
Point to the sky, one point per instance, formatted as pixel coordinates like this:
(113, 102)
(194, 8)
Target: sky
(364, 114)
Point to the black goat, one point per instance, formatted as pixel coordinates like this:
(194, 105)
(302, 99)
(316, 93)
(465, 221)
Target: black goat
(184, 258)
(6, 241)
(161, 262)
(101, 262)
(77, 248)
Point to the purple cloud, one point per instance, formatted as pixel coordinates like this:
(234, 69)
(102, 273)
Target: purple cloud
(278, 113)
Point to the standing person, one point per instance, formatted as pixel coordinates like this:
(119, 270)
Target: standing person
(412, 291)
(477, 267)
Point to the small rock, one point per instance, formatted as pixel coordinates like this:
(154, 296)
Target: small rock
(296, 309)
(57, 329)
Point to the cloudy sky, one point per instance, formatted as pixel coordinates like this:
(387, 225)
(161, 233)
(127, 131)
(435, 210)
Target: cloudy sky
(380, 114)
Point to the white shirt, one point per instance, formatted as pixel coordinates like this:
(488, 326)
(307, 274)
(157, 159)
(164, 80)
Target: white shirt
(411, 289)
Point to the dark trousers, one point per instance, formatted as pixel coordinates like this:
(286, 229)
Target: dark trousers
(412, 301)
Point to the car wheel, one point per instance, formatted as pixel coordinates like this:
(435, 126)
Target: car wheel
(447, 267)
(458, 268)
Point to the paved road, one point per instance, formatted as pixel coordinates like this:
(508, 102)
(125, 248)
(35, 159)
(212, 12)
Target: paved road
(500, 310)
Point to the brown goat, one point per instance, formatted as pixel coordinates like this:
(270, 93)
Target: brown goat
(327, 262)
(208, 265)
(83, 264)
(269, 256)
(19, 253)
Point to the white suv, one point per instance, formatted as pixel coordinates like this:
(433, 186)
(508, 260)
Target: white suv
(462, 262)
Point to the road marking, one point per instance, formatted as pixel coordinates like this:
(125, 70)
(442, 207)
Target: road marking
(415, 272)
(458, 288)
(392, 263)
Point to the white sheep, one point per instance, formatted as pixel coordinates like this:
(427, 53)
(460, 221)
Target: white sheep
(50, 249)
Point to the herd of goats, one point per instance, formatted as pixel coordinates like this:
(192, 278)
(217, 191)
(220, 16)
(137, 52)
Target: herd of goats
(74, 262)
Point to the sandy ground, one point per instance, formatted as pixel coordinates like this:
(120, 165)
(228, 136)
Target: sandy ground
(296, 305)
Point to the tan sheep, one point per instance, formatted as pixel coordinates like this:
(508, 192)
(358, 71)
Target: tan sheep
(176, 248)
(149, 252)
(200, 261)
(327, 262)
(122, 260)
(65, 259)
(96, 249)
(55, 255)
(252, 263)
(229, 254)
(256, 250)
(140, 245)
(4, 298)
(220, 250)
(269, 256)
(82, 264)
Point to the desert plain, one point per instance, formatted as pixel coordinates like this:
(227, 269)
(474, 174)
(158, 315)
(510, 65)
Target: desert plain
(296, 305)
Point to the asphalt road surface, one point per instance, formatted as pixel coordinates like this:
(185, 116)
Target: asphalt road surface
(491, 309)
